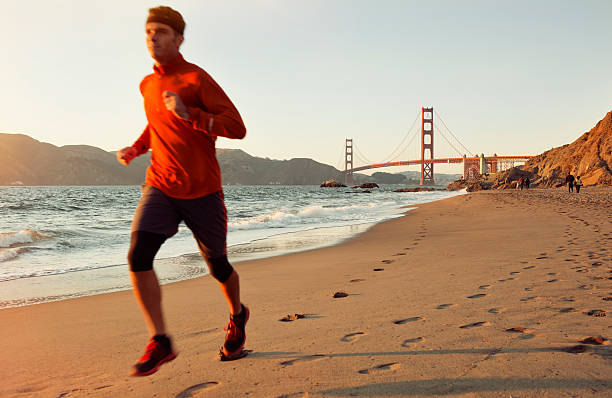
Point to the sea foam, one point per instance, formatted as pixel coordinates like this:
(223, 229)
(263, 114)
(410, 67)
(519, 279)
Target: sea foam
(9, 239)
(286, 218)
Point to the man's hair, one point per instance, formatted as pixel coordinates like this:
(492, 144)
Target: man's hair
(168, 16)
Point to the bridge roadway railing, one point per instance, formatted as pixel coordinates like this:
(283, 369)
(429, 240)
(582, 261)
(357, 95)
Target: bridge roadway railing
(488, 159)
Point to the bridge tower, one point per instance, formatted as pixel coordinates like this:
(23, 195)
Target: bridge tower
(348, 162)
(427, 169)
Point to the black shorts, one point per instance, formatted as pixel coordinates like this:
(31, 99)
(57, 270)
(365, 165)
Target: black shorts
(206, 217)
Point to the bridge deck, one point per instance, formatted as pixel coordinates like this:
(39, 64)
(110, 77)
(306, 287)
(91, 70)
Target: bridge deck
(442, 160)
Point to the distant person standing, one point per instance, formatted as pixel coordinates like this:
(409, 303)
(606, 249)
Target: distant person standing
(527, 182)
(570, 182)
(578, 184)
(186, 112)
(519, 183)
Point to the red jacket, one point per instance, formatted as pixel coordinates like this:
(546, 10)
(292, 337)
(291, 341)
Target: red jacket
(184, 162)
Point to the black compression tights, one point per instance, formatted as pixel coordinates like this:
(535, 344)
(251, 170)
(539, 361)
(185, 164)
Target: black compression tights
(145, 245)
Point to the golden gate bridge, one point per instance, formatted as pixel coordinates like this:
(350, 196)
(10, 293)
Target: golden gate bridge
(473, 165)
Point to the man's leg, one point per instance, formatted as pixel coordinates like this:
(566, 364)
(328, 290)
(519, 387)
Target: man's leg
(143, 248)
(207, 219)
(231, 291)
(148, 295)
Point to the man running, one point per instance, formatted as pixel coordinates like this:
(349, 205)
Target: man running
(186, 112)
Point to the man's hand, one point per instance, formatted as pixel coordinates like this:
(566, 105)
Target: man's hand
(175, 104)
(126, 155)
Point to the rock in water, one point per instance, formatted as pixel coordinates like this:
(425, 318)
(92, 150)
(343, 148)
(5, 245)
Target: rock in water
(331, 184)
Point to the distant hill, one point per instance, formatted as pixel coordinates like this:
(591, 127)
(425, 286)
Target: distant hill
(31, 162)
(590, 157)
(238, 167)
(26, 161)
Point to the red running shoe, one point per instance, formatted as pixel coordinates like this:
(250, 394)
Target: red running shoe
(158, 351)
(236, 336)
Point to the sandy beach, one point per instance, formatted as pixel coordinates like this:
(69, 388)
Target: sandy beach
(482, 295)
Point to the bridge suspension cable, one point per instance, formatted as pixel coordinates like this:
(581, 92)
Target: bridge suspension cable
(451, 133)
(447, 140)
(414, 135)
(361, 156)
(395, 154)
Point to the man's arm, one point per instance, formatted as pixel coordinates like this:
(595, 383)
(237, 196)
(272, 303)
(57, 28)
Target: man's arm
(221, 117)
(141, 146)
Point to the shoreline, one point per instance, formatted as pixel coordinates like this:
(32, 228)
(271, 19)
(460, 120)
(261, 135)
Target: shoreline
(458, 274)
(68, 284)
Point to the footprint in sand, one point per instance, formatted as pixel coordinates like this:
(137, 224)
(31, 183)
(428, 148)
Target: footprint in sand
(400, 254)
(386, 261)
(300, 394)
(356, 280)
(552, 280)
(413, 319)
(474, 325)
(518, 330)
(586, 287)
(567, 310)
(515, 272)
(529, 267)
(445, 306)
(191, 391)
(528, 289)
(479, 295)
(530, 298)
(380, 368)
(308, 358)
(525, 334)
(568, 299)
(484, 287)
(541, 257)
(552, 273)
(379, 269)
(506, 280)
(409, 342)
(352, 337)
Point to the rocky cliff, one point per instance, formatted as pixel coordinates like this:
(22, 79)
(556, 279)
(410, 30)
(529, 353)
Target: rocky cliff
(590, 157)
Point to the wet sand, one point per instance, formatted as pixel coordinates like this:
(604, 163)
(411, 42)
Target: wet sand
(486, 294)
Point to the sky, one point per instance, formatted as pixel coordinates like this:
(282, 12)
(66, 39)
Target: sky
(507, 77)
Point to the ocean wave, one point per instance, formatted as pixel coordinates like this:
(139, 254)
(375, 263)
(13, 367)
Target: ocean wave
(285, 218)
(9, 239)
(11, 253)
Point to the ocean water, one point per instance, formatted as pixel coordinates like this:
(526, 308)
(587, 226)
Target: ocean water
(63, 242)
